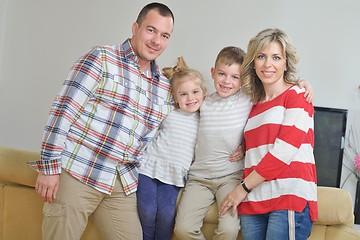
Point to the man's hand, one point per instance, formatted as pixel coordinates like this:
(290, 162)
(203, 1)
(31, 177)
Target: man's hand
(47, 186)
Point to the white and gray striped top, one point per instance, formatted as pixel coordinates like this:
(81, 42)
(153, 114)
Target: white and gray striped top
(169, 155)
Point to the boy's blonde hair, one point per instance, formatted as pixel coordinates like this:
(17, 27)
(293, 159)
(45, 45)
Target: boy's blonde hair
(230, 55)
(181, 73)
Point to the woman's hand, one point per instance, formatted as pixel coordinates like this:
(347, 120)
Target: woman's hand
(232, 200)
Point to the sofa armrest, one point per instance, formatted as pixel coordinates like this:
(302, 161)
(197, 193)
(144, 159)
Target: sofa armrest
(13, 168)
(335, 207)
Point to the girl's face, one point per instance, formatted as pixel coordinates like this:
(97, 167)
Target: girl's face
(189, 95)
(270, 64)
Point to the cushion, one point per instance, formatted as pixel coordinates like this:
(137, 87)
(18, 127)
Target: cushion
(1, 209)
(333, 212)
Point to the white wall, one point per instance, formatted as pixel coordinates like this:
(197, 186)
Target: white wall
(41, 39)
(3, 7)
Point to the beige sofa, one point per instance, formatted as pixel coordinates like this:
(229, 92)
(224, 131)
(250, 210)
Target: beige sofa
(21, 207)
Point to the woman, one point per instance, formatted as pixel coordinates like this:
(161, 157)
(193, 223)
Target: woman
(278, 193)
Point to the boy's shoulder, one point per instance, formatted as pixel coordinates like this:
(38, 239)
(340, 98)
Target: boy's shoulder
(297, 89)
(238, 97)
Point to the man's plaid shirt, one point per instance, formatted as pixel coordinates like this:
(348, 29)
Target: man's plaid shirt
(102, 119)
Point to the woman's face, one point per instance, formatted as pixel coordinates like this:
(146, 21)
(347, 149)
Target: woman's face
(270, 64)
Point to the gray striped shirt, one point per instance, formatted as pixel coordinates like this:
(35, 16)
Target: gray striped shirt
(221, 128)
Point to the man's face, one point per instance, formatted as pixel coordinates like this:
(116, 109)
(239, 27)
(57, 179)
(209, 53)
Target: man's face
(151, 37)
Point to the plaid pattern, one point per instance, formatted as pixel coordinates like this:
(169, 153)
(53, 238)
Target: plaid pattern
(102, 119)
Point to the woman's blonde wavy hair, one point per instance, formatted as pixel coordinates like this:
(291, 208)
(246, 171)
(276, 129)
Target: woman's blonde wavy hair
(251, 84)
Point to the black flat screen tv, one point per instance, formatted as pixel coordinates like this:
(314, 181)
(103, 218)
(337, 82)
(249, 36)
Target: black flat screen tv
(329, 133)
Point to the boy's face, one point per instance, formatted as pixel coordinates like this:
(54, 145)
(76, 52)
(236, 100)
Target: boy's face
(226, 79)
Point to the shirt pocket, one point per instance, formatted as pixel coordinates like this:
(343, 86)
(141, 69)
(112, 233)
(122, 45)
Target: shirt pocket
(134, 97)
(118, 89)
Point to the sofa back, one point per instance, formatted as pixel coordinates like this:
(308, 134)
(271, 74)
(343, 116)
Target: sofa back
(21, 206)
(13, 166)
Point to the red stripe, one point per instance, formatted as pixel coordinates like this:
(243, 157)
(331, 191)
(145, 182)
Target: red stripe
(301, 170)
(286, 202)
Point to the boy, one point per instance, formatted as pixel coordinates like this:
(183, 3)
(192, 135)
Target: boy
(212, 176)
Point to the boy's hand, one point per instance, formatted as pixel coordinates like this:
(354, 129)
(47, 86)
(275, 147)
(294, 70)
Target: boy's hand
(309, 91)
(238, 155)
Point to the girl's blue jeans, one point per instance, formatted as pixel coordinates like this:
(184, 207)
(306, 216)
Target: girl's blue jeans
(156, 203)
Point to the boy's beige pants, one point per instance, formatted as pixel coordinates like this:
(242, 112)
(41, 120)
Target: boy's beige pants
(198, 196)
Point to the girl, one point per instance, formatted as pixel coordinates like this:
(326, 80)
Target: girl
(167, 159)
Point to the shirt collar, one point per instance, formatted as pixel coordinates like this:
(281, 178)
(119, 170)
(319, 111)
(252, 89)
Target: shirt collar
(129, 53)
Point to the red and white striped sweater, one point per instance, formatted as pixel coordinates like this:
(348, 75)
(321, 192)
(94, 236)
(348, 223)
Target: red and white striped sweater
(279, 137)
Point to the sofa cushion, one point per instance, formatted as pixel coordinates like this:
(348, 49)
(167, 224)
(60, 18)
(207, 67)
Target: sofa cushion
(22, 213)
(334, 208)
(317, 232)
(1, 209)
(341, 232)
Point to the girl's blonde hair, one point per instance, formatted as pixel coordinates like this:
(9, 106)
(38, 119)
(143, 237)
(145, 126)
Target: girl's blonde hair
(181, 73)
(251, 84)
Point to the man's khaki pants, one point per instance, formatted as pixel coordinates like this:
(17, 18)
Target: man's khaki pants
(66, 217)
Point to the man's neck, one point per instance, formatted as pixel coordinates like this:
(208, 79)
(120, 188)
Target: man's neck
(144, 65)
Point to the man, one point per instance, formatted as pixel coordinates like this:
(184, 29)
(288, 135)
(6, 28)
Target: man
(104, 116)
